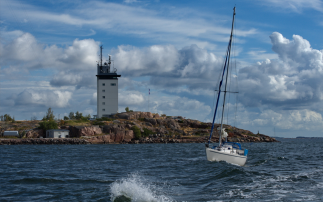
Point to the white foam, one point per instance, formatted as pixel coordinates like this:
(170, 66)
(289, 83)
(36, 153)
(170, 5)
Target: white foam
(280, 187)
(137, 189)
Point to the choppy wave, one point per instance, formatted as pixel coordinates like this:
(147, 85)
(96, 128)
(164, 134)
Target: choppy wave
(286, 171)
(303, 186)
(136, 188)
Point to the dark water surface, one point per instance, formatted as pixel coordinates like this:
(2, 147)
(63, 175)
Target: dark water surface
(291, 170)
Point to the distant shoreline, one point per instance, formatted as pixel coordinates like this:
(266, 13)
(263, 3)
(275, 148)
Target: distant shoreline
(128, 128)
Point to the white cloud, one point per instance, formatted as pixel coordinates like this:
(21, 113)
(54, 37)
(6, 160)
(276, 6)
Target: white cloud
(175, 105)
(177, 27)
(26, 52)
(169, 67)
(130, 98)
(41, 98)
(93, 100)
(293, 80)
(291, 119)
(262, 55)
(296, 5)
(130, 1)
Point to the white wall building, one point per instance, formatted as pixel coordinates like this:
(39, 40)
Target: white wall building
(57, 133)
(107, 89)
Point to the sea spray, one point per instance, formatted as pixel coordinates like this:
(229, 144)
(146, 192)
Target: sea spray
(136, 188)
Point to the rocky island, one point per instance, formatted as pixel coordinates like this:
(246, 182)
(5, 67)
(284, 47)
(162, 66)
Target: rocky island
(127, 128)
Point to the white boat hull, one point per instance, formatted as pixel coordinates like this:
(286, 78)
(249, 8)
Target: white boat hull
(215, 155)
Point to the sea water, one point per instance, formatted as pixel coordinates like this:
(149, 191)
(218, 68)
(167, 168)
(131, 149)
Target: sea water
(291, 170)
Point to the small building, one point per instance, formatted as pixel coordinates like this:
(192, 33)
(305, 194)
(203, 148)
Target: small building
(11, 133)
(56, 133)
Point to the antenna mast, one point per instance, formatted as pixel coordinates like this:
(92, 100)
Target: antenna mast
(101, 47)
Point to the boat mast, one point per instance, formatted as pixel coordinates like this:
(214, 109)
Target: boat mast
(226, 64)
(226, 80)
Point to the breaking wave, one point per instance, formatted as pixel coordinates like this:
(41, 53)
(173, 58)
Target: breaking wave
(136, 188)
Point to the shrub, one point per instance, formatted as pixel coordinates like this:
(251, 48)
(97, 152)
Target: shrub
(136, 132)
(147, 132)
(163, 115)
(47, 125)
(127, 109)
(61, 122)
(66, 118)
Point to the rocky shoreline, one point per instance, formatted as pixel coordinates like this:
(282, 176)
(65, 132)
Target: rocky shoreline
(38, 141)
(123, 128)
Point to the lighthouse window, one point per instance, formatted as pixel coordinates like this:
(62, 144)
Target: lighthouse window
(113, 84)
(103, 103)
(103, 97)
(103, 84)
(103, 109)
(103, 90)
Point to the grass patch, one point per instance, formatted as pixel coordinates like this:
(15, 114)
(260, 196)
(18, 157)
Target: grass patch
(77, 123)
(251, 135)
(97, 123)
(10, 137)
(104, 119)
(24, 128)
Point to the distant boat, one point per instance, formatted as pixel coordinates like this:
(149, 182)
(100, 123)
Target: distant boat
(230, 152)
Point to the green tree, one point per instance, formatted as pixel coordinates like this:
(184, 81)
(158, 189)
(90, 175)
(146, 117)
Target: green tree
(136, 132)
(7, 117)
(47, 125)
(78, 115)
(127, 109)
(71, 115)
(66, 118)
(49, 115)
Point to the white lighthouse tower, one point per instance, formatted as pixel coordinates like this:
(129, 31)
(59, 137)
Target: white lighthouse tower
(107, 89)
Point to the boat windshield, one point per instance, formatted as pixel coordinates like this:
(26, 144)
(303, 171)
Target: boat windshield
(234, 144)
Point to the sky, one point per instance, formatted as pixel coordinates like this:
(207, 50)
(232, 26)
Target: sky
(49, 51)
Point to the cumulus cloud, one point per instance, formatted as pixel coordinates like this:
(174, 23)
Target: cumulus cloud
(27, 53)
(189, 108)
(291, 119)
(54, 98)
(294, 80)
(169, 67)
(93, 100)
(130, 98)
(75, 78)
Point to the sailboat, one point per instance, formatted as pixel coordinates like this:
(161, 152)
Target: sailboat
(231, 152)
